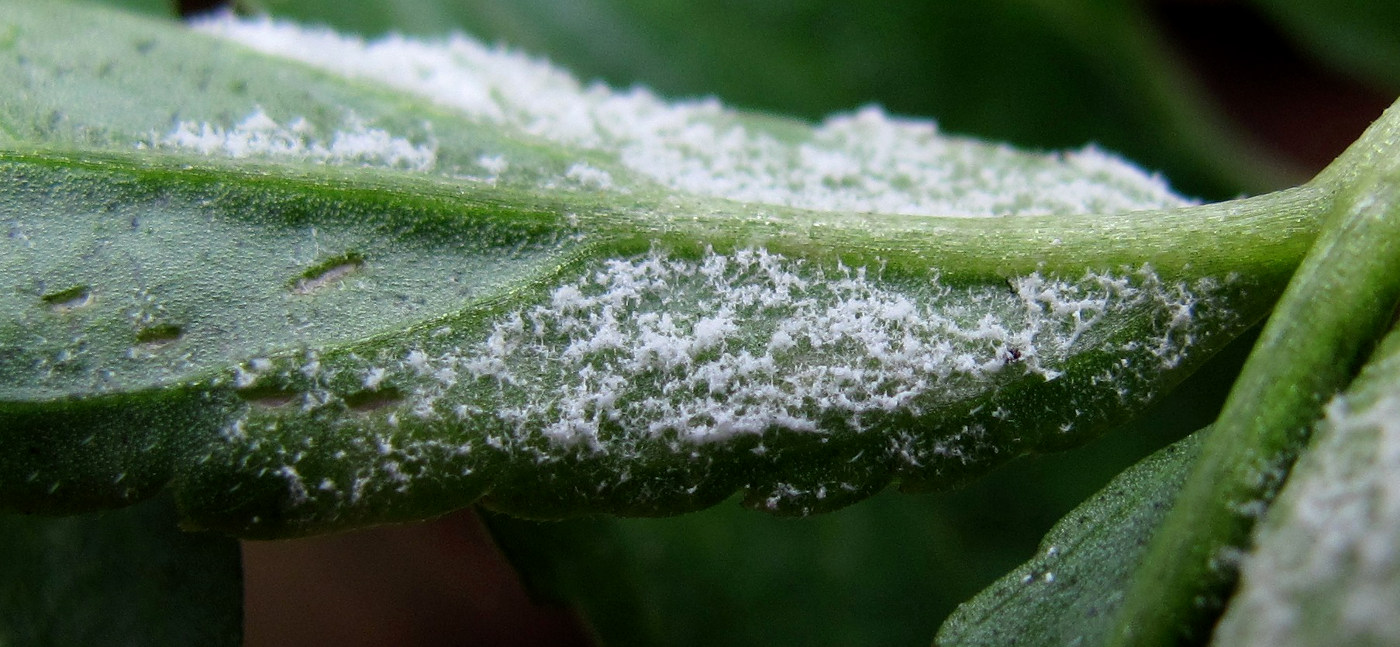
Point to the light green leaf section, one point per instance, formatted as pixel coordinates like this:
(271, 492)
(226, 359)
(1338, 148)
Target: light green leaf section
(1070, 592)
(126, 578)
(492, 281)
(1325, 567)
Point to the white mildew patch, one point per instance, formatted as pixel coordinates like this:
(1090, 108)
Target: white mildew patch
(865, 161)
(751, 341)
(258, 135)
(652, 358)
(1326, 569)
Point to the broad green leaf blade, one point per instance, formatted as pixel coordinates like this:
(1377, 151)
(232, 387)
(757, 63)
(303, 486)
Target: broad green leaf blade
(128, 577)
(1069, 594)
(1323, 569)
(553, 307)
(276, 428)
(1039, 74)
(1336, 307)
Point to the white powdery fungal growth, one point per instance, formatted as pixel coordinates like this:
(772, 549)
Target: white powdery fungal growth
(1326, 569)
(259, 135)
(861, 162)
(746, 342)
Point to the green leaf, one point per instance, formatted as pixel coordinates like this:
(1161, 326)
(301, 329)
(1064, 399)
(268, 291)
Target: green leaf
(126, 577)
(886, 571)
(1070, 593)
(1339, 303)
(1323, 568)
(1359, 37)
(544, 303)
(1035, 73)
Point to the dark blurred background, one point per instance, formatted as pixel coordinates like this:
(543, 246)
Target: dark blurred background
(1224, 97)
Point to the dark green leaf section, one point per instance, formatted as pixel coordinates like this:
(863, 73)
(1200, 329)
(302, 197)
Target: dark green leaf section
(126, 578)
(885, 572)
(1039, 74)
(74, 455)
(158, 8)
(1341, 301)
(1070, 593)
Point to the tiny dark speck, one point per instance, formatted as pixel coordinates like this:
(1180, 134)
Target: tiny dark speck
(189, 8)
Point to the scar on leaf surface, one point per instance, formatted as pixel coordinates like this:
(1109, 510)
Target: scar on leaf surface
(159, 334)
(268, 396)
(328, 272)
(78, 296)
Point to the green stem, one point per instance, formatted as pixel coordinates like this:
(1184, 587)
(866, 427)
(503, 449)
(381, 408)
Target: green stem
(1341, 300)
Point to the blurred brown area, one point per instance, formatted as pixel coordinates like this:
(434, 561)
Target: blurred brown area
(440, 582)
(443, 582)
(1292, 105)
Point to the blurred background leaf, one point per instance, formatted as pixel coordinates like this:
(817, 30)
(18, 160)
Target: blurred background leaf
(125, 577)
(1357, 37)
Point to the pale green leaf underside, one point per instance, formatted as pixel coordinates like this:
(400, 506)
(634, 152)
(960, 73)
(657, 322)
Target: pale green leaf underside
(499, 310)
(1324, 567)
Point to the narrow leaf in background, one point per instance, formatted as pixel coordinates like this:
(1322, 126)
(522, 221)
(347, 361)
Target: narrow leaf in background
(1070, 592)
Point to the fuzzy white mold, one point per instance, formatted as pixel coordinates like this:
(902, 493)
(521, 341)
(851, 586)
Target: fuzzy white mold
(1327, 564)
(745, 342)
(259, 135)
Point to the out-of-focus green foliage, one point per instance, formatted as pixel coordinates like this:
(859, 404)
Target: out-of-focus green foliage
(126, 578)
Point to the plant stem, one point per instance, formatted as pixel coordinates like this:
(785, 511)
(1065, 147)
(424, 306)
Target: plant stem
(1341, 300)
